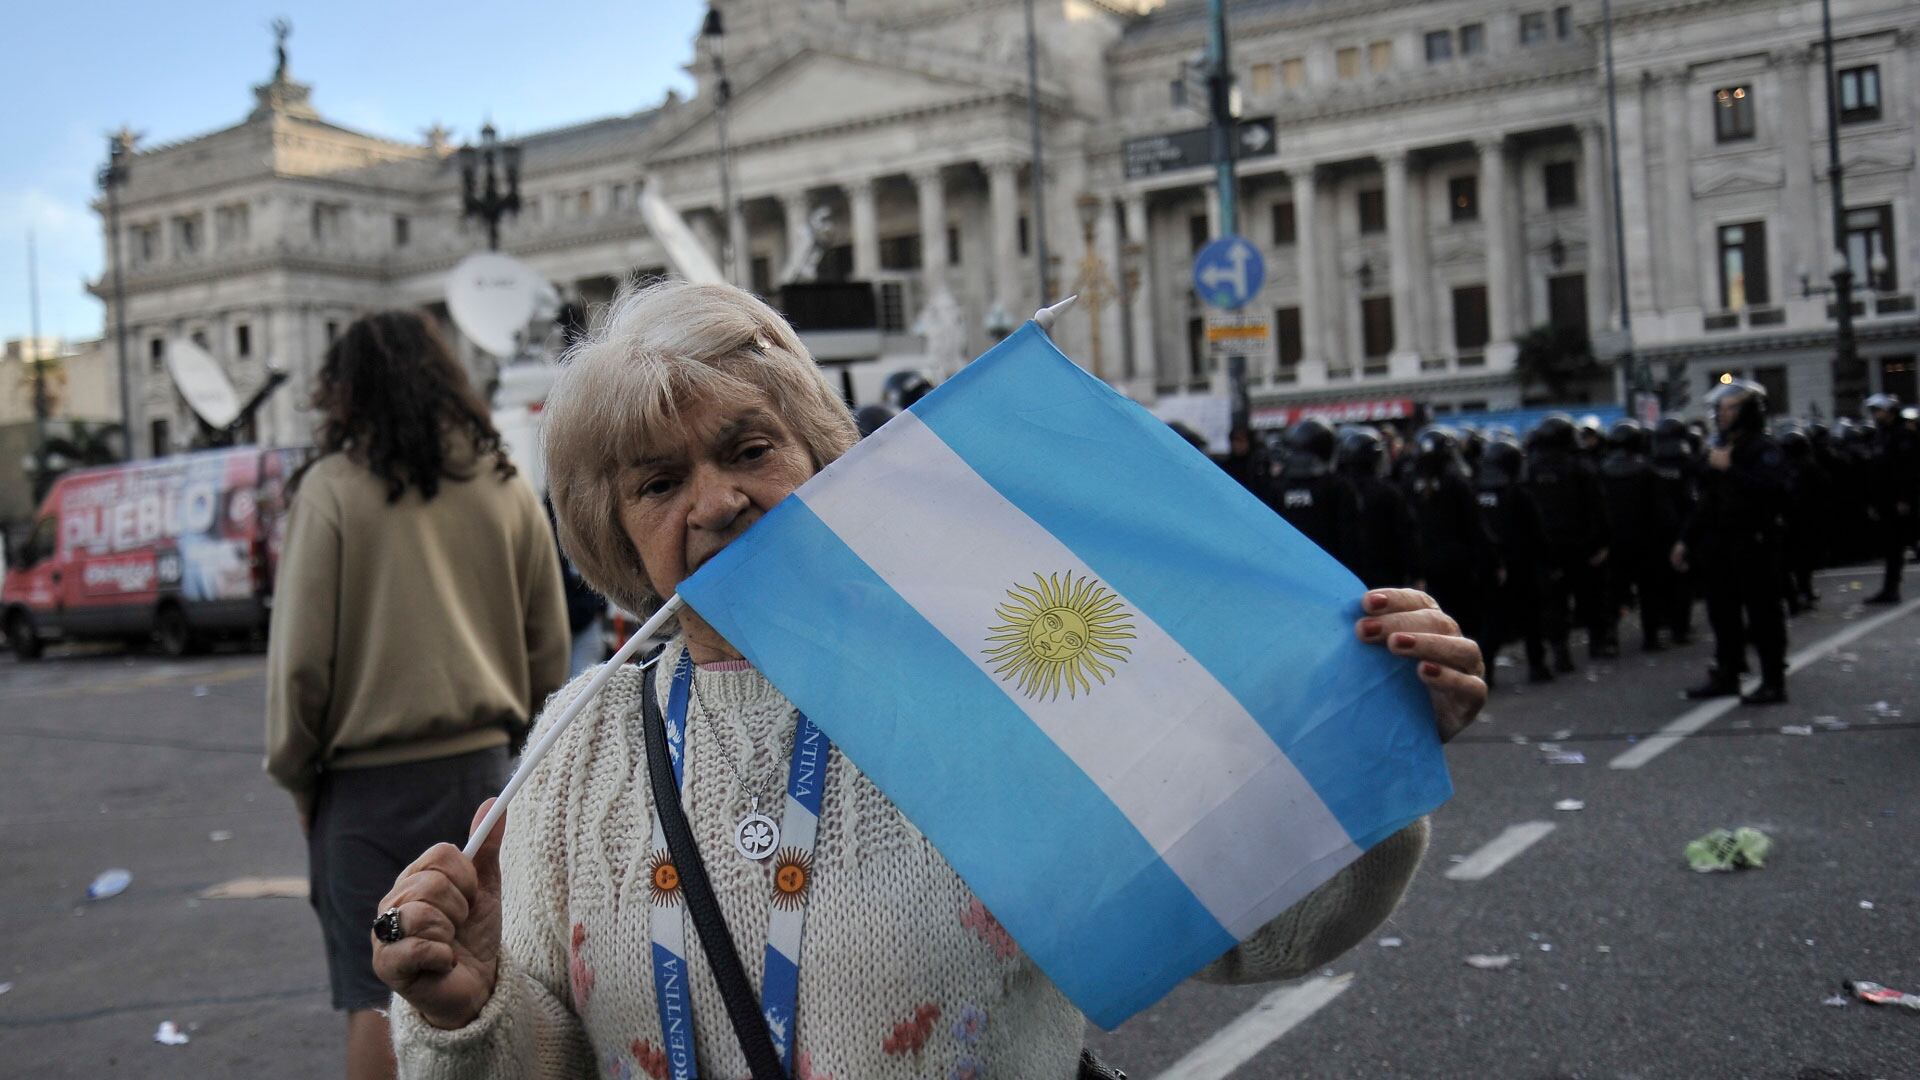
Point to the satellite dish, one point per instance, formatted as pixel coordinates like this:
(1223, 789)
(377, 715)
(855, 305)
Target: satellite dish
(688, 256)
(492, 297)
(201, 380)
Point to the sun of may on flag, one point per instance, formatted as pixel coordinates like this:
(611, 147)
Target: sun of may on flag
(1119, 694)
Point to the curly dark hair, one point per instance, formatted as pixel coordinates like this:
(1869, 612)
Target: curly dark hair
(391, 395)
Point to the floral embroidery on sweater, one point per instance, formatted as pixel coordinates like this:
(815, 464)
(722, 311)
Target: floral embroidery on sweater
(652, 1059)
(910, 1035)
(971, 1025)
(617, 1067)
(803, 1068)
(988, 929)
(968, 1068)
(578, 972)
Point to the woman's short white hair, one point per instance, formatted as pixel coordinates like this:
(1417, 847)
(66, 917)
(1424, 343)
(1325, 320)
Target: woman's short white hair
(620, 391)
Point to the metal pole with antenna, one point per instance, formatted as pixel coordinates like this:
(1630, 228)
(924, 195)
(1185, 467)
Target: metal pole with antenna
(1039, 171)
(1225, 132)
(40, 407)
(1846, 352)
(112, 177)
(715, 31)
(1641, 377)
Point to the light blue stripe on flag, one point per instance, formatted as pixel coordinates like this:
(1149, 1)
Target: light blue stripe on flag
(1257, 604)
(996, 793)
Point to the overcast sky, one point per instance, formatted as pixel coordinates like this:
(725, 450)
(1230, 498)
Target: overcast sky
(75, 71)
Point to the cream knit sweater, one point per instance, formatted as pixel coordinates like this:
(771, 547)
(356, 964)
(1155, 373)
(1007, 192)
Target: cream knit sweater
(903, 972)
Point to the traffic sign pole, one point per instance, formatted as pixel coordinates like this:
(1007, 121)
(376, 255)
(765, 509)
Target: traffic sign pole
(1224, 131)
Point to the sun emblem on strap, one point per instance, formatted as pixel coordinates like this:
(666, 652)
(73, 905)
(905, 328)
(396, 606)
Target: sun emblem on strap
(663, 879)
(792, 877)
(1057, 632)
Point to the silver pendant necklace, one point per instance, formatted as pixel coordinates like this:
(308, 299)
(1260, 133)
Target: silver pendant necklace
(755, 835)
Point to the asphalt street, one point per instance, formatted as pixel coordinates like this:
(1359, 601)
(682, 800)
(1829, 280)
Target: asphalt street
(1625, 963)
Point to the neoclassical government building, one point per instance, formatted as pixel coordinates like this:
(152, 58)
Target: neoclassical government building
(1438, 190)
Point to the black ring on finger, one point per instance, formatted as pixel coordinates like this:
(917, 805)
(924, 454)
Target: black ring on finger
(386, 926)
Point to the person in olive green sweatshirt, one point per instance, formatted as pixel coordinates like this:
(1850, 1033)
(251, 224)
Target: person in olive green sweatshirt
(418, 626)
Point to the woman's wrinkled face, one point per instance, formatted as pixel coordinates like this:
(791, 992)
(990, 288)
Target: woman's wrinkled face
(733, 461)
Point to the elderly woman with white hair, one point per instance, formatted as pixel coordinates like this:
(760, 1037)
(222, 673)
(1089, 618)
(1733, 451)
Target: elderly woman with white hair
(681, 421)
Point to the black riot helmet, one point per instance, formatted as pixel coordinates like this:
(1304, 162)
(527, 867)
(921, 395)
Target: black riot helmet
(1795, 442)
(1438, 449)
(1589, 434)
(1739, 408)
(1310, 446)
(1362, 452)
(903, 388)
(1821, 436)
(1502, 464)
(868, 418)
(1883, 409)
(1672, 442)
(1628, 435)
(1554, 433)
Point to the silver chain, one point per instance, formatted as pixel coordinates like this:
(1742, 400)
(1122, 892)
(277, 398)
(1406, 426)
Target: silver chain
(726, 745)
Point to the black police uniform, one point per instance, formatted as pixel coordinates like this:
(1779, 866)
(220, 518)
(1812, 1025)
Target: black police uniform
(1736, 540)
(1809, 497)
(1389, 537)
(1675, 485)
(1456, 550)
(1569, 498)
(1634, 521)
(1313, 498)
(1890, 479)
(1519, 544)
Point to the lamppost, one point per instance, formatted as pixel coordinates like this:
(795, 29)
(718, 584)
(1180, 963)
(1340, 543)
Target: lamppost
(1094, 286)
(714, 32)
(1845, 353)
(113, 177)
(490, 202)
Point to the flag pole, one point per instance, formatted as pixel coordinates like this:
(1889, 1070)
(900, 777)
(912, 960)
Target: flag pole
(1046, 316)
(531, 759)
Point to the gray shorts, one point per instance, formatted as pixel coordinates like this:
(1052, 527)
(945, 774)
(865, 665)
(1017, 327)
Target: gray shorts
(368, 824)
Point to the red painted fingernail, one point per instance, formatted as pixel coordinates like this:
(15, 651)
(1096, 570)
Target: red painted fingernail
(1375, 602)
(1370, 628)
(1430, 669)
(1402, 641)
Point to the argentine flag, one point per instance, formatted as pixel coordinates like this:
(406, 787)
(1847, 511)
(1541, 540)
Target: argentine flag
(1119, 694)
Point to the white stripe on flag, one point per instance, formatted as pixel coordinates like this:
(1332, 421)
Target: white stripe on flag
(1146, 741)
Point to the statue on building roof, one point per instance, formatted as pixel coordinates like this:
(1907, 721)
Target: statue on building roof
(282, 30)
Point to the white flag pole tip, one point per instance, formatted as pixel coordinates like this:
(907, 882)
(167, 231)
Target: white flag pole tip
(1046, 316)
(530, 760)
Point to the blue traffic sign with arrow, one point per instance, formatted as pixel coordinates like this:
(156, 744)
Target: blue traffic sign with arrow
(1228, 272)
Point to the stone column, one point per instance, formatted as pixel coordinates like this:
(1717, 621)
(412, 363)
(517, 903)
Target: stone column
(1404, 360)
(1306, 230)
(1636, 208)
(1003, 196)
(931, 186)
(1497, 210)
(1676, 150)
(793, 206)
(865, 229)
(1799, 228)
(1596, 201)
(1146, 350)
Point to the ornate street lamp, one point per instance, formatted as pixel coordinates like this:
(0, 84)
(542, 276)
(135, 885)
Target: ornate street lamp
(487, 199)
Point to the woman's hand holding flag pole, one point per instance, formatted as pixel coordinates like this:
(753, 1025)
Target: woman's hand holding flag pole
(531, 759)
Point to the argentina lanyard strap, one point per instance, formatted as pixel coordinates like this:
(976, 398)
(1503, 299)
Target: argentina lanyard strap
(792, 884)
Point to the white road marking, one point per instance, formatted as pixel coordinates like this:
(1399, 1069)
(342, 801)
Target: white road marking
(1500, 850)
(1257, 1028)
(1701, 715)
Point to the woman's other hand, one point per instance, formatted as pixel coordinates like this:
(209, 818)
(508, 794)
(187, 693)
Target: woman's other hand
(449, 906)
(1409, 623)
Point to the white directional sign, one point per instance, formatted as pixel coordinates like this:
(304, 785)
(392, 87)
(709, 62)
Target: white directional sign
(1228, 272)
(1193, 148)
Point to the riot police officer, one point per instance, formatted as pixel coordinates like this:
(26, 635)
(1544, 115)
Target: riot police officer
(1246, 461)
(1807, 517)
(1313, 498)
(1891, 466)
(1569, 499)
(1635, 521)
(1456, 550)
(1519, 544)
(1675, 486)
(1389, 539)
(1735, 540)
(903, 388)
